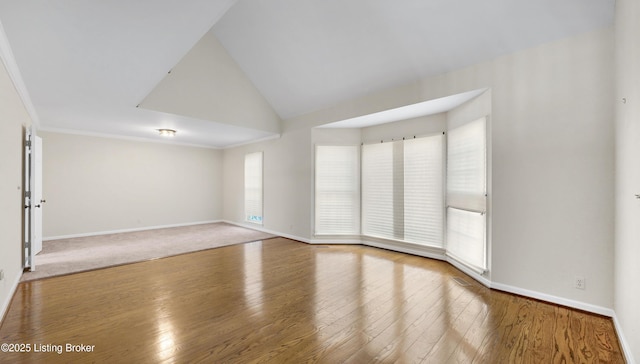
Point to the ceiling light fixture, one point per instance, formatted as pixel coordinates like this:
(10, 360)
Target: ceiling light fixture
(167, 132)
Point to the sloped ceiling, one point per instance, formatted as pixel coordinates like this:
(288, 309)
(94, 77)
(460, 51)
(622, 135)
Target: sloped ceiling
(208, 84)
(87, 64)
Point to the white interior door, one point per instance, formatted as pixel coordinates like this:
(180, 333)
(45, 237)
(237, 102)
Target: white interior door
(38, 201)
(26, 244)
(33, 199)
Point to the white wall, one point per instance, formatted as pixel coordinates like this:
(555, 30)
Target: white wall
(13, 120)
(95, 184)
(470, 111)
(420, 126)
(552, 164)
(287, 183)
(336, 136)
(208, 84)
(288, 174)
(553, 169)
(627, 255)
(473, 110)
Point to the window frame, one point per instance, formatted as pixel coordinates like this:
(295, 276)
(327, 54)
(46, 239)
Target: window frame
(252, 213)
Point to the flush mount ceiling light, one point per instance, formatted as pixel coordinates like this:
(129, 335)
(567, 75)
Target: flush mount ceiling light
(167, 132)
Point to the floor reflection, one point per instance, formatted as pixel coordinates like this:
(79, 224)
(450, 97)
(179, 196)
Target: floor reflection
(253, 278)
(166, 340)
(393, 310)
(280, 301)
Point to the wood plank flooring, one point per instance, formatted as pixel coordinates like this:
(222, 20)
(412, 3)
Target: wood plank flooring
(281, 301)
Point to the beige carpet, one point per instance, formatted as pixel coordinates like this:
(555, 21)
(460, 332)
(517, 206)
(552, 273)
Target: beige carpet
(74, 255)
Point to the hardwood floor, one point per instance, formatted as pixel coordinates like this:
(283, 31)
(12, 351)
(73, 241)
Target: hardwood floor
(281, 301)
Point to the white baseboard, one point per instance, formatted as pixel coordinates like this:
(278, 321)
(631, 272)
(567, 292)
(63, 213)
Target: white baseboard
(261, 228)
(470, 272)
(626, 349)
(436, 254)
(426, 252)
(288, 236)
(554, 299)
(82, 235)
(338, 241)
(7, 302)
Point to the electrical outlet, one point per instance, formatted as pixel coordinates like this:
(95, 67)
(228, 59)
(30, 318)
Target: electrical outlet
(580, 282)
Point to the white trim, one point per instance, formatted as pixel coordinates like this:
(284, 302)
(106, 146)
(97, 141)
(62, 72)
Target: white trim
(288, 236)
(626, 348)
(335, 241)
(434, 254)
(82, 235)
(124, 137)
(427, 252)
(604, 311)
(260, 228)
(406, 137)
(9, 60)
(7, 302)
(267, 138)
(439, 254)
(469, 271)
(412, 111)
(468, 266)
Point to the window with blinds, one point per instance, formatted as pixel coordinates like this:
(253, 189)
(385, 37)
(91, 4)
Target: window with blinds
(466, 194)
(253, 187)
(378, 204)
(424, 190)
(402, 190)
(337, 193)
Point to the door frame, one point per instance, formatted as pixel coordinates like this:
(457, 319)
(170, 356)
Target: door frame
(32, 242)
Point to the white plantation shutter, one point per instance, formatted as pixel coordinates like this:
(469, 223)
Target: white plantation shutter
(377, 190)
(253, 187)
(337, 194)
(402, 190)
(466, 166)
(466, 236)
(424, 190)
(466, 193)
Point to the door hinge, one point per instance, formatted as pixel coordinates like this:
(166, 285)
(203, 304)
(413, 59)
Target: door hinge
(27, 194)
(28, 143)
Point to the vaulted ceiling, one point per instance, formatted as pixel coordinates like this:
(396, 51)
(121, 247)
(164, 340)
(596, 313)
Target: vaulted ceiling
(87, 65)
